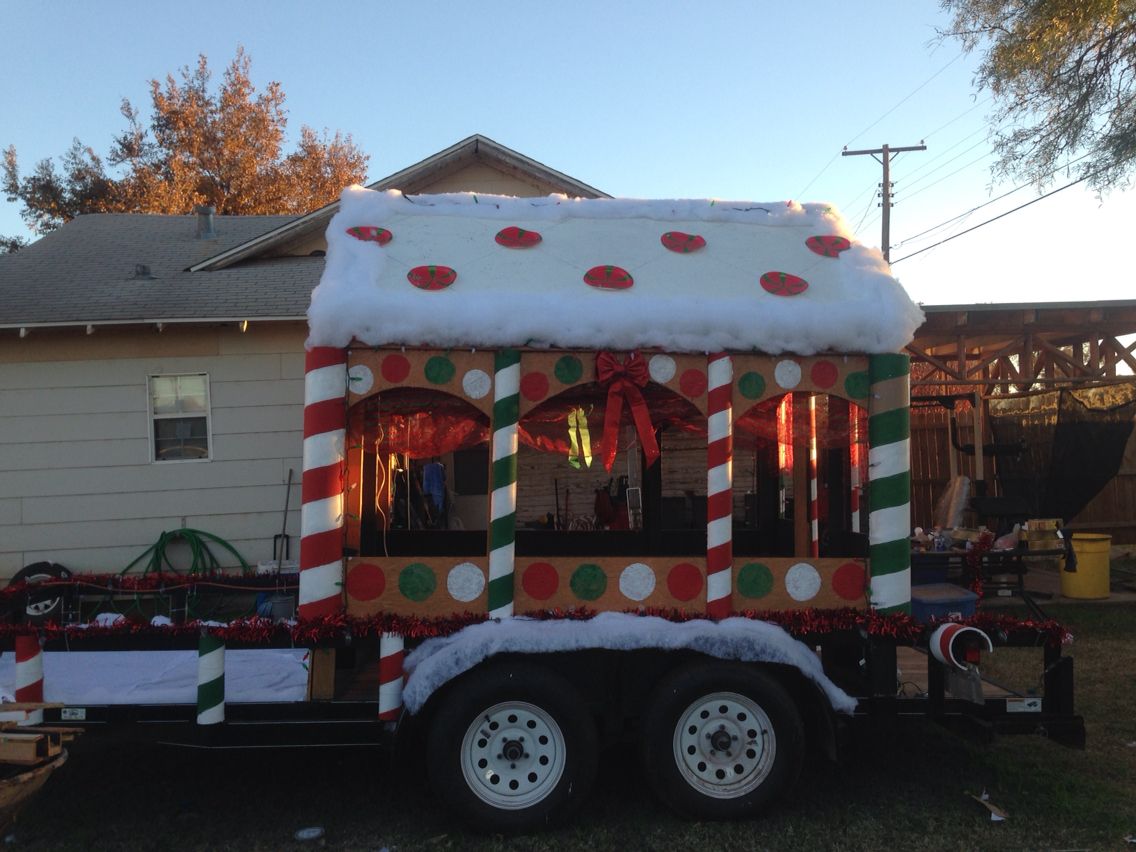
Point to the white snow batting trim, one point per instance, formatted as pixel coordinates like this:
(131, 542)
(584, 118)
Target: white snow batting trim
(890, 590)
(889, 459)
(437, 661)
(324, 383)
(321, 582)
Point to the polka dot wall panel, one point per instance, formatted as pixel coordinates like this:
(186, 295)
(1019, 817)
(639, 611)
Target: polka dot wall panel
(462, 373)
(439, 586)
(761, 377)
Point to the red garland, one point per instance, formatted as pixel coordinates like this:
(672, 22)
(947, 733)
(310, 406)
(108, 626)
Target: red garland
(625, 380)
(974, 560)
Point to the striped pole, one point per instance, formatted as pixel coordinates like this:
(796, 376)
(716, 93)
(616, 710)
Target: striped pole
(889, 482)
(321, 515)
(503, 499)
(29, 676)
(210, 680)
(719, 485)
(854, 458)
(814, 506)
(390, 676)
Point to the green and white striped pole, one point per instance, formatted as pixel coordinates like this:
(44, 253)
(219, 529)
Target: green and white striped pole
(210, 680)
(889, 482)
(503, 498)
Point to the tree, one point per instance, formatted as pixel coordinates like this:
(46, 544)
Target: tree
(224, 149)
(1063, 76)
(11, 245)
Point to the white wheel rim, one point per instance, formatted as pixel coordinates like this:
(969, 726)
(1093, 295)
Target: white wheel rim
(724, 745)
(513, 755)
(43, 607)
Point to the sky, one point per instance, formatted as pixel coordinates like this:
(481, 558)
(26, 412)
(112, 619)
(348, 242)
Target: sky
(639, 98)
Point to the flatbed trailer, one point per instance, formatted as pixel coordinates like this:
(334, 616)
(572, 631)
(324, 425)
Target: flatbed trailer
(719, 380)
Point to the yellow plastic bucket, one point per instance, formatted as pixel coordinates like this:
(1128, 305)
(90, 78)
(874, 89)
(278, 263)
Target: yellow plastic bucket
(1090, 580)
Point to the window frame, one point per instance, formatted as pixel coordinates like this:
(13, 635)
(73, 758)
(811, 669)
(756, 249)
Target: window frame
(153, 418)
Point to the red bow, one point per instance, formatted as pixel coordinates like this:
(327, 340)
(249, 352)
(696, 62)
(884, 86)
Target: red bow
(624, 380)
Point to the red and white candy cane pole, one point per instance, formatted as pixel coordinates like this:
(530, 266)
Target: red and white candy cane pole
(29, 676)
(390, 676)
(814, 504)
(719, 485)
(854, 458)
(321, 516)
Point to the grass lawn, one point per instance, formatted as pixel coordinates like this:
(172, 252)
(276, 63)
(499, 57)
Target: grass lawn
(904, 791)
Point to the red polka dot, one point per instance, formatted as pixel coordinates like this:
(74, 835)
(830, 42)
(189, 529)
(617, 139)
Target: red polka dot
(540, 581)
(848, 581)
(395, 369)
(534, 386)
(824, 374)
(365, 582)
(684, 581)
(692, 383)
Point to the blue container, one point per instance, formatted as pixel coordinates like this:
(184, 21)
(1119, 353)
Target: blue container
(942, 600)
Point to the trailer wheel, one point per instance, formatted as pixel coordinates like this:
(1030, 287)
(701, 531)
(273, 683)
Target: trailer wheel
(42, 604)
(722, 741)
(512, 748)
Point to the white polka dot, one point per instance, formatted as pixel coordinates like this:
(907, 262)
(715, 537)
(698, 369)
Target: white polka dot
(787, 374)
(360, 379)
(476, 384)
(465, 582)
(802, 582)
(637, 581)
(662, 368)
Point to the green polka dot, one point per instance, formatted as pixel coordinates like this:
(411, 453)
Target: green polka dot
(416, 581)
(755, 580)
(568, 370)
(857, 385)
(588, 581)
(439, 370)
(752, 385)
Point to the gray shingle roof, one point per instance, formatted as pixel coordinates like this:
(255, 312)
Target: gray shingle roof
(84, 272)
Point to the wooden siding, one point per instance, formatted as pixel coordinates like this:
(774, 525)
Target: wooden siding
(76, 482)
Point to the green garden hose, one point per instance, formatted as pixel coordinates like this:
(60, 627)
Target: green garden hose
(203, 561)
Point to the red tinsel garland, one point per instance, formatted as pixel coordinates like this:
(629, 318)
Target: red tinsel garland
(336, 627)
(974, 560)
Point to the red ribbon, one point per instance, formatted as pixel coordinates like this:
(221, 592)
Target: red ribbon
(623, 381)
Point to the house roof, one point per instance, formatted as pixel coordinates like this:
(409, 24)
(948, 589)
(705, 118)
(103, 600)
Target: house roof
(682, 275)
(89, 271)
(411, 181)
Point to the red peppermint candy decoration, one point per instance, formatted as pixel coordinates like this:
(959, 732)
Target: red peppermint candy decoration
(682, 243)
(608, 278)
(432, 277)
(371, 234)
(514, 237)
(828, 246)
(783, 284)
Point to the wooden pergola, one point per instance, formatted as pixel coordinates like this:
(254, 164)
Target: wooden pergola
(1013, 348)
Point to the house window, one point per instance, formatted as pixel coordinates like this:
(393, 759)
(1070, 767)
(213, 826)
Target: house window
(179, 410)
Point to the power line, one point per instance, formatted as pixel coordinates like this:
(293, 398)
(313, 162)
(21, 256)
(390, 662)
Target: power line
(902, 101)
(995, 219)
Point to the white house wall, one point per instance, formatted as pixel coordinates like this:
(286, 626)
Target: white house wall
(76, 482)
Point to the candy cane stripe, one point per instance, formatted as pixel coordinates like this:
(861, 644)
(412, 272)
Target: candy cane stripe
(719, 485)
(503, 497)
(889, 486)
(321, 515)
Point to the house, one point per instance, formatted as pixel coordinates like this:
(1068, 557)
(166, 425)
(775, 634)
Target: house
(151, 370)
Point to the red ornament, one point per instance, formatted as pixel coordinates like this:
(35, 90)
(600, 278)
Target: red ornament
(608, 278)
(432, 277)
(681, 243)
(371, 234)
(783, 284)
(514, 237)
(828, 246)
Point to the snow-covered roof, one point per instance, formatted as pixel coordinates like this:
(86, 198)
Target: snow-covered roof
(463, 270)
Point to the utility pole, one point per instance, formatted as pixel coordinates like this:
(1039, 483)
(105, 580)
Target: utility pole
(886, 153)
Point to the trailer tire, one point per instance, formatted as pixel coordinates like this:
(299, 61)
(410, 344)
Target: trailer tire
(42, 605)
(480, 763)
(722, 741)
